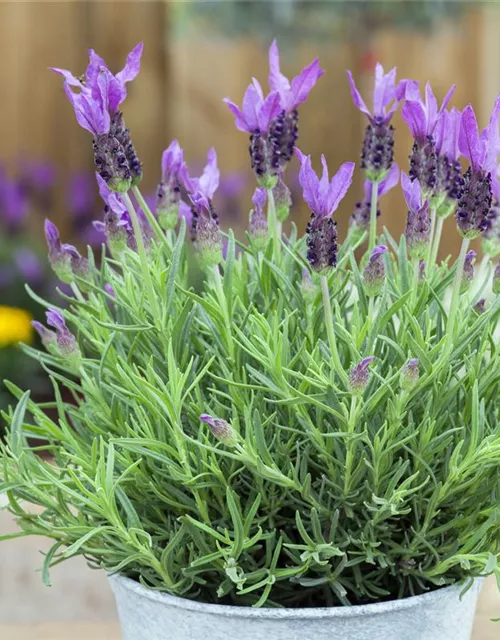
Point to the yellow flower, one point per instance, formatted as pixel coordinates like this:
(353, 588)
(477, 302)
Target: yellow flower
(15, 326)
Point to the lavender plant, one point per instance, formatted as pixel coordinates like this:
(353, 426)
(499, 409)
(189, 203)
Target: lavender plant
(297, 430)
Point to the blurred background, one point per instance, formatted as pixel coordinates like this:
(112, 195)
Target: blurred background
(196, 53)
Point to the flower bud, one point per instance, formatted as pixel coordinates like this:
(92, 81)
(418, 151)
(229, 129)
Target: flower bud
(418, 231)
(282, 199)
(220, 429)
(66, 341)
(468, 272)
(496, 280)
(359, 376)
(205, 231)
(374, 272)
(480, 306)
(258, 229)
(64, 259)
(378, 149)
(409, 375)
(48, 337)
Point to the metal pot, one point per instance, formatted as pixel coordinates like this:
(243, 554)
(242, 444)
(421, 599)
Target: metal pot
(151, 615)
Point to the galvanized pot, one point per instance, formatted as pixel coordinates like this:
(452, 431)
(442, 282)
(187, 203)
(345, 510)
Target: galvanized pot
(150, 615)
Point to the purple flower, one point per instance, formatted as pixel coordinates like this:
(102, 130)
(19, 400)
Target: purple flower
(117, 224)
(422, 116)
(258, 229)
(207, 184)
(323, 196)
(449, 180)
(48, 337)
(220, 429)
(257, 111)
(66, 341)
(168, 193)
(374, 272)
(109, 290)
(29, 265)
(295, 93)
(474, 206)
(468, 271)
(360, 218)
(101, 93)
(64, 258)
(386, 95)
(409, 375)
(359, 376)
(282, 199)
(96, 104)
(378, 147)
(418, 226)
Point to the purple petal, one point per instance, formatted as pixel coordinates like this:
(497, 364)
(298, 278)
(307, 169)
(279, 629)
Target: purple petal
(415, 117)
(52, 235)
(491, 139)
(303, 83)
(68, 77)
(268, 111)
(252, 103)
(55, 319)
(91, 73)
(112, 92)
(431, 108)
(339, 185)
(172, 160)
(390, 180)
(259, 198)
(185, 212)
(323, 186)
(132, 65)
(104, 190)
(447, 98)
(412, 192)
(383, 92)
(241, 122)
(409, 90)
(209, 180)
(469, 142)
(356, 96)
(309, 182)
(277, 81)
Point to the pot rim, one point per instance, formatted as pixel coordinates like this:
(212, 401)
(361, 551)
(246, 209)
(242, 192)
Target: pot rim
(273, 613)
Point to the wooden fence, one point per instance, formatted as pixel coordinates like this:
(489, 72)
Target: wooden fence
(184, 78)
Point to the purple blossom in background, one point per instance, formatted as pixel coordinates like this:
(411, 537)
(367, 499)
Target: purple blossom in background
(374, 272)
(378, 147)
(168, 193)
(258, 229)
(481, 148)
(323, 197)
(37, 179)
(272, 120)
(418, 225)
(29, 265)
(359, 376)
(96, 103)
(80, 203)
(13, 203)
(360, 218)
(422, 118)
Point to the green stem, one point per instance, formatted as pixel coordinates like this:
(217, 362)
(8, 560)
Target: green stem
(349, 448)
(436, 241)
(431, 239)
(148, 213)
(272, 221)
(329, 329)
(373, 216)
(457, 283)
(414, 284)
(141, 250)
(225, 311)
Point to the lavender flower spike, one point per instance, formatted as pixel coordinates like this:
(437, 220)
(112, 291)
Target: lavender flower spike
(449, 180)
(468, 271)
(422, 118)
(258, 229)
(220, 429)
(474, 206)
(48, 337)
(359, 376)
(378, 146)
(66, 341)
(117, 224)
(284, 128)
(168, 193)
(96, 103)
(418, 226)
(360, 218)
(374, 272)
(323, 197)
